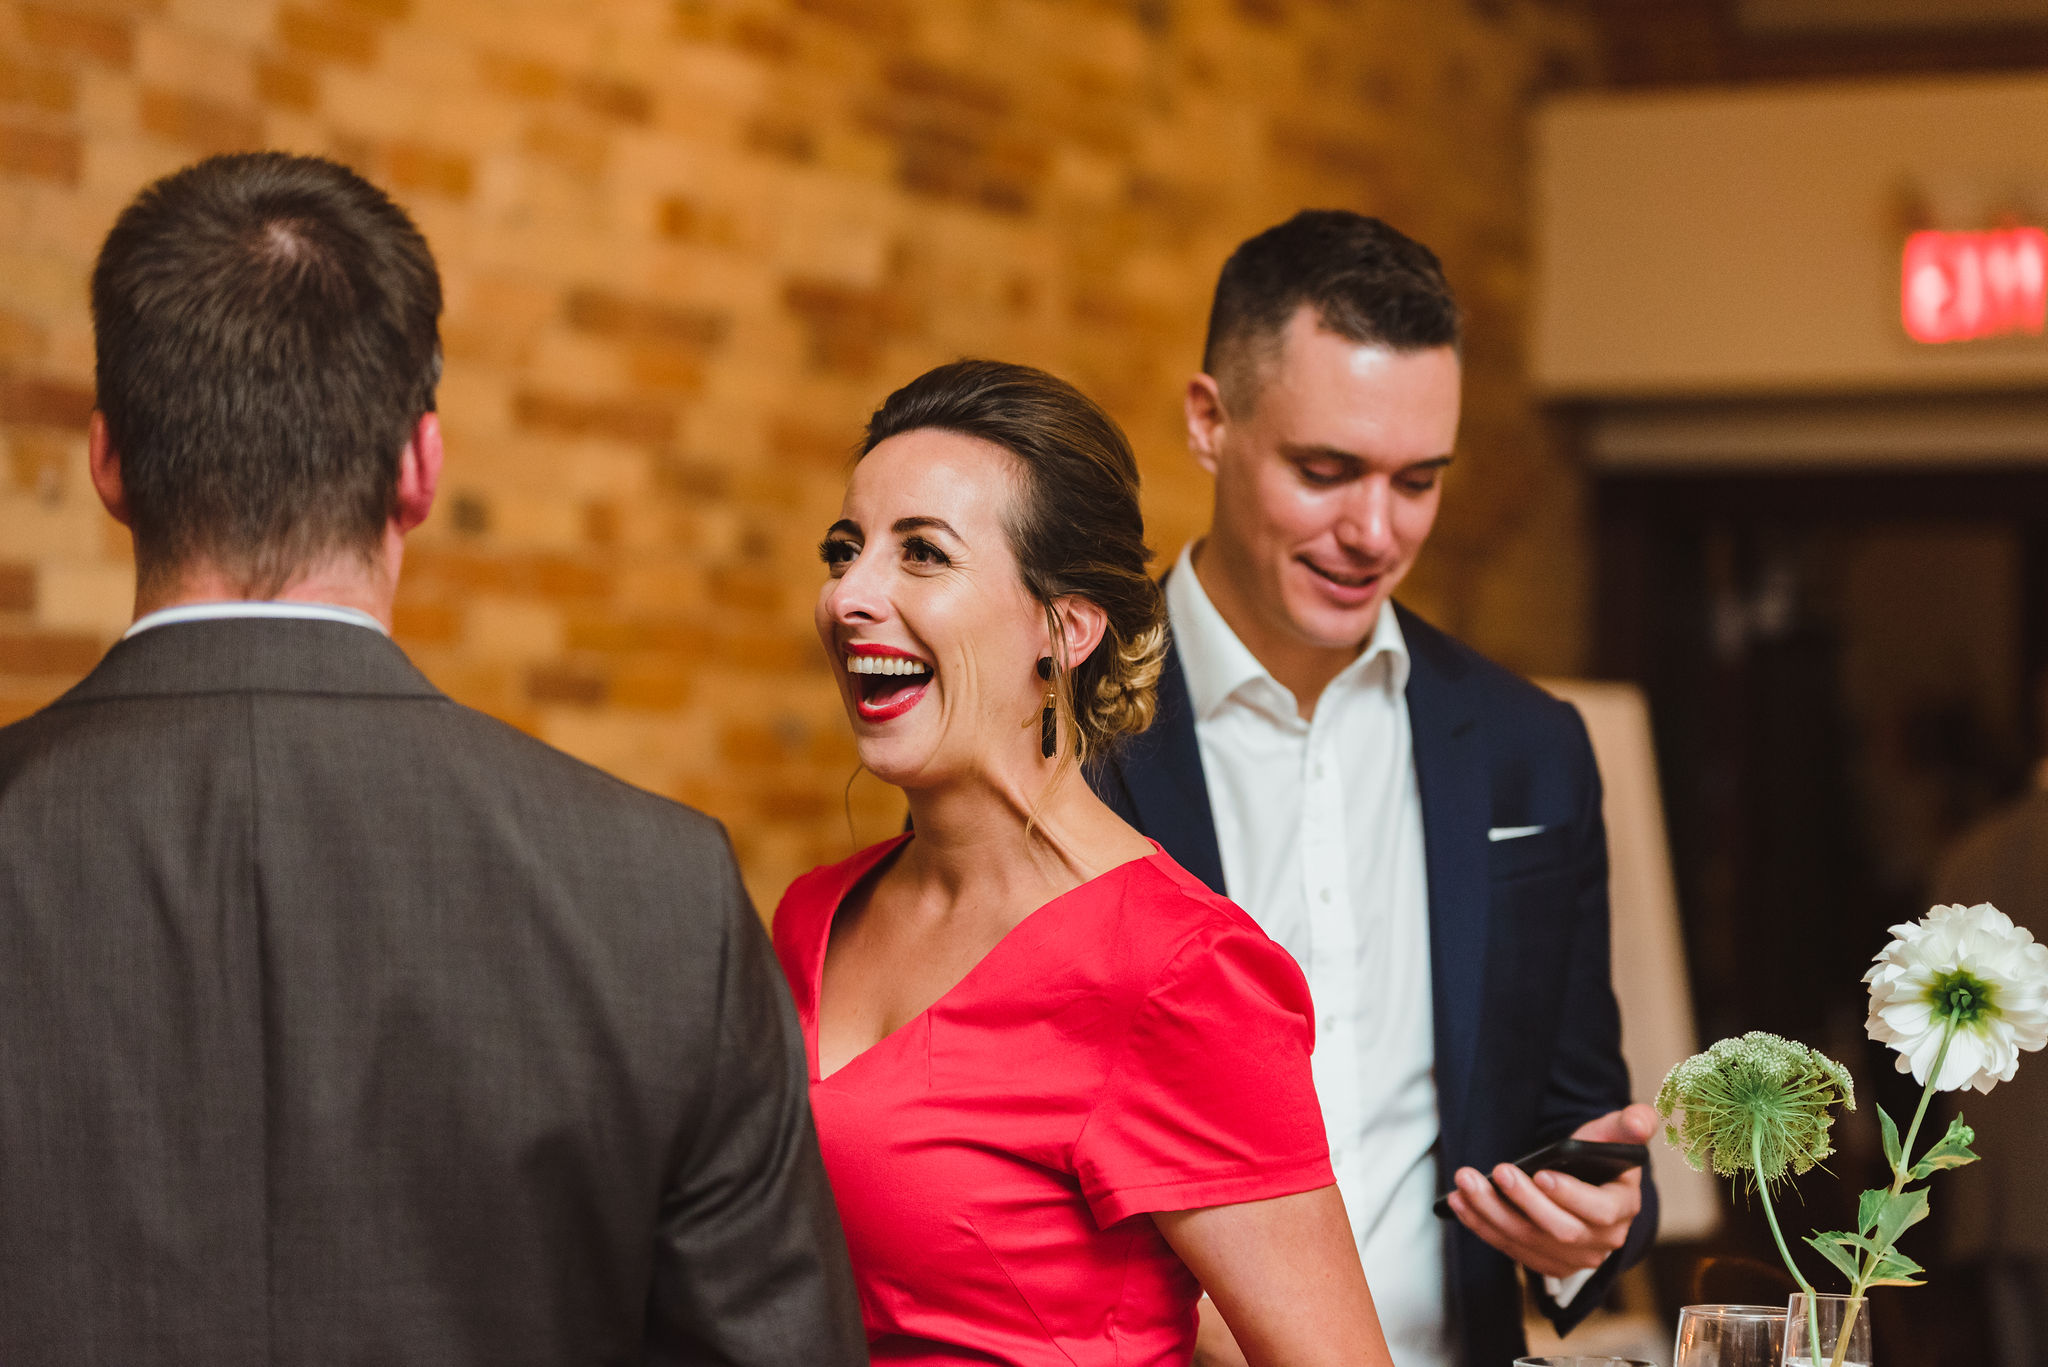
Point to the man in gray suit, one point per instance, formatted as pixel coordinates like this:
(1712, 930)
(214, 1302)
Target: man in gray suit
(339, 1023)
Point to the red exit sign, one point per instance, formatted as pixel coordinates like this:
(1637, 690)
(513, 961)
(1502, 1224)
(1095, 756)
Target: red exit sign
(1957, 286)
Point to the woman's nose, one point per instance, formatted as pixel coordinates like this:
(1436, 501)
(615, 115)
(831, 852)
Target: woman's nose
(857, 594)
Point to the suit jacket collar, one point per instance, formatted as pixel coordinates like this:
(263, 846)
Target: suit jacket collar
(1161, 768)
(1451, 777)
(253, 655)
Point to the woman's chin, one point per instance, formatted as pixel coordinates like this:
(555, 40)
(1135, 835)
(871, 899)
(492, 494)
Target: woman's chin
(901, 760)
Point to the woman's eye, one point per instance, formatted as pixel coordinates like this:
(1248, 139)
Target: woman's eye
(837, 553)
(921, 552)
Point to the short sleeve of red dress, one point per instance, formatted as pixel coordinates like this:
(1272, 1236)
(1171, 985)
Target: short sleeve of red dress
(1211, 1100)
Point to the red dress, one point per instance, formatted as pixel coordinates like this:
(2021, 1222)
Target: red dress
(1135, 1045)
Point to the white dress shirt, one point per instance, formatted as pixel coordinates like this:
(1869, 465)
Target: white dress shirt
(1319, 823)
(214, 612)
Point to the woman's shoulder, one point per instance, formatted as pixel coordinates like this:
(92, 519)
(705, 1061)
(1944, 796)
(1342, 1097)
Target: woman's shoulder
(818, 893)
(1166, 916)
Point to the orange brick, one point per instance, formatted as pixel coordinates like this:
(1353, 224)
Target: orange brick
(624, 419)
(385, 11)
(602, 631)
(764, 37)
(414, 167)
(566, 684)
(48, 652)
(820, 449)
(50, 403)
(886, 19)
(17, 588)
(425, 623)
(846, 327)
(104, 38)
(199, 123)
(330, 36)
(684, 220)
(779, 135)
(600, 311)
(39, 153)
(520, 77)
(40, 87)
(580, 151)
(621, 100)
(752, 745)
(652, 686)
(21, 339)
(287, 83)
(747, 590)
(438, 574)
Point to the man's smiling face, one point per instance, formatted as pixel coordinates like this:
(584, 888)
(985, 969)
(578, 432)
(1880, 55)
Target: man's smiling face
(1326, 489)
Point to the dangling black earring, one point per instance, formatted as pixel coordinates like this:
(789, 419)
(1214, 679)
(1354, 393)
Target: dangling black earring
(1048, 720)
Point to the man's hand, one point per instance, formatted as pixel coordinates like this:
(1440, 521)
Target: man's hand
(1552, 1224)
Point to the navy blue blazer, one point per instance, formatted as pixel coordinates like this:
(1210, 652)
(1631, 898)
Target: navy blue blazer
(1528, 1037)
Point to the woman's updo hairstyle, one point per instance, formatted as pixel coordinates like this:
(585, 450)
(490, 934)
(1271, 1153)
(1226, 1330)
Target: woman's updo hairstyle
(1075, 527)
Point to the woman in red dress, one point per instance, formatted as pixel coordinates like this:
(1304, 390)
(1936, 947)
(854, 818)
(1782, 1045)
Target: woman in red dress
(1061, 1087)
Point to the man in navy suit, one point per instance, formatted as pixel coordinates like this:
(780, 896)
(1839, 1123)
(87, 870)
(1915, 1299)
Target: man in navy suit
(1420, 827)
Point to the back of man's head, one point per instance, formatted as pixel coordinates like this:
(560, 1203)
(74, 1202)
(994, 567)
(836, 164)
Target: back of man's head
(266, 330)
(1367, 282)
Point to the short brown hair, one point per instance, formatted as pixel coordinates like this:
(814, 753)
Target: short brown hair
(266, 336)
(1367, 282)
(1076, 529)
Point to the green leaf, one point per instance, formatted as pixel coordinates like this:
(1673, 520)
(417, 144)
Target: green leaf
(1896, 1269)
(1868, 1208)
(1893, 1153)
(1952, 1152)
(1835, 1247)
(1900, 1213)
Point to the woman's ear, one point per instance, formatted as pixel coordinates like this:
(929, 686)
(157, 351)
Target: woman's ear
(1082, 624)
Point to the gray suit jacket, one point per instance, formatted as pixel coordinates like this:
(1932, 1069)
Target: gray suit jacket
(340, 1024)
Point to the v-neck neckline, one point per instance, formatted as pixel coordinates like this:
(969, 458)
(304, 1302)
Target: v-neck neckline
(860, 870)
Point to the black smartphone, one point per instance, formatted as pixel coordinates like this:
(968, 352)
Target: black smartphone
(1588, 1160)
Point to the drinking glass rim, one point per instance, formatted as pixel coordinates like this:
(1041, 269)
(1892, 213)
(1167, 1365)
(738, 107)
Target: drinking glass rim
(1736, 1312)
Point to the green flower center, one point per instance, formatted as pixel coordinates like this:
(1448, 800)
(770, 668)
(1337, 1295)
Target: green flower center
(1962, 997)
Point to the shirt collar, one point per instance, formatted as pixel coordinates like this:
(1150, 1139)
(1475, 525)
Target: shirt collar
(213, 612)
(1219, 665)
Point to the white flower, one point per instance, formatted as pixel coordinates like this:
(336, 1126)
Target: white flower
(1971, 964)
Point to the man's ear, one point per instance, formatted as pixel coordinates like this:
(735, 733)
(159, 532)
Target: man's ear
(419, 474)
(1082, 624)
(104, 462)
(1206, 418)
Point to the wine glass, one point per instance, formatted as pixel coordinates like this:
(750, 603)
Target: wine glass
(1831, 1310)
(1729, 1336)
(1582, 1362)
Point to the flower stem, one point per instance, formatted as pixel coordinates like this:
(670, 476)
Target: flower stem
(1900, 1174)
(1763, 1190)
(1948, 1036)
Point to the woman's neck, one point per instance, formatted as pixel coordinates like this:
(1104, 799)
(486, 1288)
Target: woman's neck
(984, 830)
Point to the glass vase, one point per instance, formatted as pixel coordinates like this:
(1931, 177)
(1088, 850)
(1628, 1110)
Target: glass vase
(1838, 1316)
(1729, 1336)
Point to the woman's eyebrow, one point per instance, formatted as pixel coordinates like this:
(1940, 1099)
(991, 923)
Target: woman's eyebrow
(844, 526)
(905, 525)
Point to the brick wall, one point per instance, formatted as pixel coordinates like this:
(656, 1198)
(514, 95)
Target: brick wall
(688, 244)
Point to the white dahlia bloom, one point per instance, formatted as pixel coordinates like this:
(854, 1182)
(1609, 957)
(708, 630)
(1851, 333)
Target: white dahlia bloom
(1972, 965)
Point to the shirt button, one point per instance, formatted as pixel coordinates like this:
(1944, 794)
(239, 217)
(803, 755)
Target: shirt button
(1319, 768)
(1326, 894)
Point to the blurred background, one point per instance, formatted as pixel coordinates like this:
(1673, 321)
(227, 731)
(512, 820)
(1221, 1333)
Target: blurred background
(1735, 435)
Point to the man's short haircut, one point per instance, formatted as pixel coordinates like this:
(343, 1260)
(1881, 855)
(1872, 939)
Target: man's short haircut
(1367, 282)
(266, 336)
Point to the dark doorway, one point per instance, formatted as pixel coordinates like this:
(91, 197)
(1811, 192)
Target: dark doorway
(1840, 670)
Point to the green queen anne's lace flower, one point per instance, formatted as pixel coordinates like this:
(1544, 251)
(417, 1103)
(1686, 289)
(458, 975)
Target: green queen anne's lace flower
(1757, 1104)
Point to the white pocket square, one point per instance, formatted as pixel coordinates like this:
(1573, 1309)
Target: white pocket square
(1499, 833)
